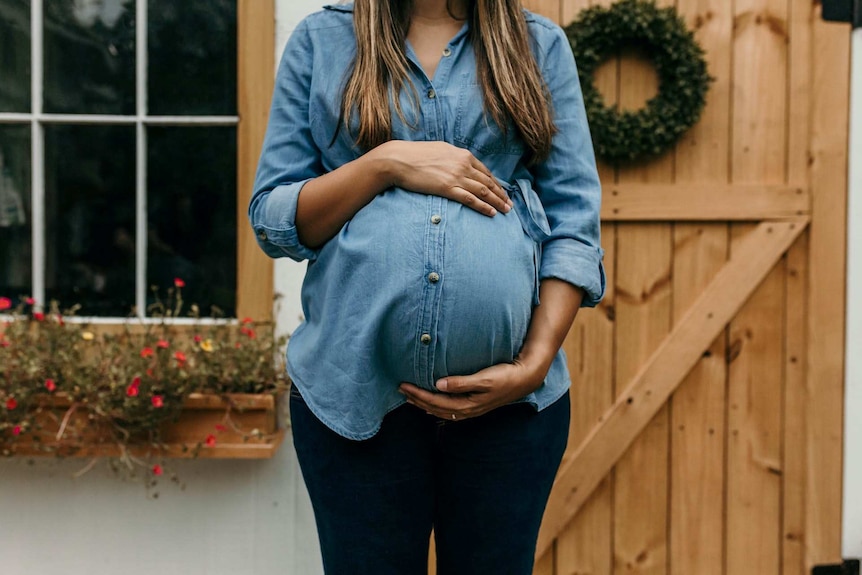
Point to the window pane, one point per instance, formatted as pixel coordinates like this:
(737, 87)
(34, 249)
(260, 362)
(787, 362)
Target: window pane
(90, 56)
(15, 55)
(15, 212)
(192, 57)
(90, 217)
(191, 204)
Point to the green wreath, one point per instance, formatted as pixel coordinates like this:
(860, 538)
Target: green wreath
(660, 34)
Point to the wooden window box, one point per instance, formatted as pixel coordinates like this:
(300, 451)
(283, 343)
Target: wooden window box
(252, 430)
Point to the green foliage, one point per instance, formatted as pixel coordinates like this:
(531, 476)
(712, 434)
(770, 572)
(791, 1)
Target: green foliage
(662, 36)
(129, 382)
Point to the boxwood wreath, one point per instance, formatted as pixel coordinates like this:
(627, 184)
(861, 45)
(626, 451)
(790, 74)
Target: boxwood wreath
(661, 35)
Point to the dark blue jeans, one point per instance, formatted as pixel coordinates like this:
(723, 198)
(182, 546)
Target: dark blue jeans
(482, 484)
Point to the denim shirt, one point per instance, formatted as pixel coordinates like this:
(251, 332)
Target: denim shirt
(417, 287)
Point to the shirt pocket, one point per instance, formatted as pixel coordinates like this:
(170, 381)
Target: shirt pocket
(534, 221)
(476, 130)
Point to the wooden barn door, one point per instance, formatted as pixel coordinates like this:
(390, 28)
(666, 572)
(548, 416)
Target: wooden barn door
(707, 387)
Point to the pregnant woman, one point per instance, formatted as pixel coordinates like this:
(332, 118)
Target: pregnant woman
(431, 160)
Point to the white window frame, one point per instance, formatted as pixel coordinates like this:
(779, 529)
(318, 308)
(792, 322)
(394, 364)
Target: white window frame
(37, 120)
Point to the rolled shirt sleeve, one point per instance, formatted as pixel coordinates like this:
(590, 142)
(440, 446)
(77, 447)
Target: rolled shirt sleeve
(568, 183)
(289, 158)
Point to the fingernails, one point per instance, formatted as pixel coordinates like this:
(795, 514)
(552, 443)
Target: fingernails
(507, 208)
(443, 385)
(492, 212)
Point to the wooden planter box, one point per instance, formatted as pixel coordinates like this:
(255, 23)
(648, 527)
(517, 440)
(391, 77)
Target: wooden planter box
(185, 438)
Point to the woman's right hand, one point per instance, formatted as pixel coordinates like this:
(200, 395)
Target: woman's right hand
(441, 169)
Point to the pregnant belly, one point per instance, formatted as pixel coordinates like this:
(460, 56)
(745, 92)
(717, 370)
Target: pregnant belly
(488, 291)
(391, 277)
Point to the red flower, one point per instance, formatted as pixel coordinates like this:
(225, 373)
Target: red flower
(4, 343)
(11, 403)
(38, 316)
(16, 430)
(237, 345)
(162, 344)
(180, 357)
(59, 319)
(179, 283)
(157, 469)
(5, 303)
(246, 320)
(198, 339)
(147, 352)
(220, 427)
(211, 440)
(132, 390)
(50, 385)
(158, 401)
(30, 301)
(136, 381)
(150, 372)
(249, 332)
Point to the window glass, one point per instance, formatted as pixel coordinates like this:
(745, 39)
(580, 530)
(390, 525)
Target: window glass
(14, 55)
(90, 217)
(192, 214)
(90, 56)
(15, 212)
(192, 57)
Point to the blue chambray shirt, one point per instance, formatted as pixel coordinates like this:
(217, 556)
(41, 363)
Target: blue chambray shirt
(416, 287)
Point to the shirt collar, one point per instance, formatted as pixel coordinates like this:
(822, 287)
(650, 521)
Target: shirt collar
(340, 7)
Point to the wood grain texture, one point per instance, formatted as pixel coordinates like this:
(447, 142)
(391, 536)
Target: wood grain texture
(643, 316)
(698, 406)
(585, 545)
(643, 312)
(795, 400)
(255, 80)
(796, 308)
(697, 416)
(754, 465)
(650, 388)
(548, 8)
(755, 376)
(702, 201)
(829, 124)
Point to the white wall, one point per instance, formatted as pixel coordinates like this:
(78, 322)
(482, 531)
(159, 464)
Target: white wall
(852, 525)
(234, 517)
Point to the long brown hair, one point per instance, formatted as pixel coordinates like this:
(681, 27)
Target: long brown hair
(512, 84)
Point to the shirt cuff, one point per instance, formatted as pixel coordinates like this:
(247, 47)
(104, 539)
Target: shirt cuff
(576, 263)
(274, 223)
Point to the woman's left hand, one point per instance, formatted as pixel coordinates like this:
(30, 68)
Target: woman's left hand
(469, 396)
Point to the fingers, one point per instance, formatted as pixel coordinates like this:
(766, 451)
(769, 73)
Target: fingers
(441, 405)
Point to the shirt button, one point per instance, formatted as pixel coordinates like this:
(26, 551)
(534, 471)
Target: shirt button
(425, 338)
(431, 94)
(447, 52)
(261, 235)
(436, 219)
(433, 277)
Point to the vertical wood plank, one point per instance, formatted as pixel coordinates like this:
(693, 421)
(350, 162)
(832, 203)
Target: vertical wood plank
(255, 81)
(697, 417)
(830, 107)
(795, 400)
(754, 425)
(643, 314)
(644, 308)
(795, 395)
(585, 546)
(547, 8)
(755, 383)
(698, 406)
